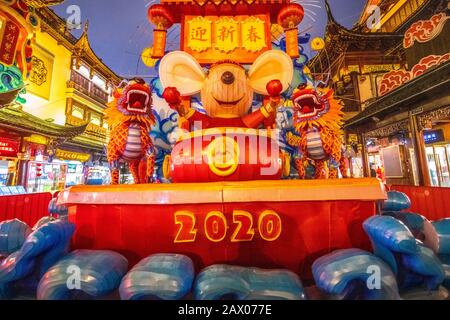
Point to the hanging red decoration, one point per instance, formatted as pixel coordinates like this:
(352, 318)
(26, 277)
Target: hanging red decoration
(163, 20)
(289, 18)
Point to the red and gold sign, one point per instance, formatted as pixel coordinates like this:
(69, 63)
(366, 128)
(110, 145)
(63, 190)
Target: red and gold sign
(292, 43)
(9, 38)
(159, 43)
(227, 34)
(241, 228)
(253, 34)
(289, 18)
(239, 38)
(200, 34)
(72, 156)
(163, 20)
(8, 147)
(269, 224)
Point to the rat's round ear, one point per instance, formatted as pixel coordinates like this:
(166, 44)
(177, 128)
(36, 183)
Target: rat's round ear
(180, 70)
(271, 65)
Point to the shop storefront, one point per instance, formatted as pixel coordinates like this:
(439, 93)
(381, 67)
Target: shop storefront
(390, 154)
(354, 156)
(438, 164)
(410, 123)
(434, 129)
(28, 157)
(75, 163)
(40, 174)
(56, 172)
(406, 127)
(75, 173)
(99, 175)
(9, 149)
(45, 177)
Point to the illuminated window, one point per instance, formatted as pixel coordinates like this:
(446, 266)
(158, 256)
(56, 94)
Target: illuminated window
(96, 119)
(78, 112)
(99, 82)
(84, 71)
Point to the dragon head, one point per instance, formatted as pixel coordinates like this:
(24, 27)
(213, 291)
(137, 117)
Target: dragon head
(132, 102)
(135, 98)
(316, 107)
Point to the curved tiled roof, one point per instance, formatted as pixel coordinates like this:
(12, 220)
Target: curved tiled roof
(16, 119)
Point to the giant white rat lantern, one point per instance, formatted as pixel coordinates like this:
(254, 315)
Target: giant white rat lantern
(226, 89)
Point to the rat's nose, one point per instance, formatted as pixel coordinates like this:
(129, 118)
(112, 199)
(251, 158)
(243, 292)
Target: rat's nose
(227, 77)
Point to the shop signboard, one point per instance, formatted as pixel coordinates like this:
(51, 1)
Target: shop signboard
(433, 136)
(72, 156)
(9, 38)
(8, 147)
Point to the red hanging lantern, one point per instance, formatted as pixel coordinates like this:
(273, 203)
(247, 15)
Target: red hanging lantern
(38, 170)
(289, 18)
(163, 20)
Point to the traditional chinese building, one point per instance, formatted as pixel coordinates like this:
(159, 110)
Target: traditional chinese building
(59, 132)
(405, 129)
(356, 61)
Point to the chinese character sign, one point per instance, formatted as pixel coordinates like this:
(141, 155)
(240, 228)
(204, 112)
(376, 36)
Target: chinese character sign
(213, 38)
(199, 34)
(8, 147)
(9, 37)
(68, 155)
(253, 34)
(226, 34)
(159, 43)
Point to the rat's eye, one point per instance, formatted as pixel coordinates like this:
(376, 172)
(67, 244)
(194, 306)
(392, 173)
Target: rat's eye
(228, 77)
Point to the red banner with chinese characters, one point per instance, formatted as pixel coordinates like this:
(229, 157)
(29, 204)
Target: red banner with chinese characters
(9, 37)
(239, 38)
(8, 147)
(159, 43)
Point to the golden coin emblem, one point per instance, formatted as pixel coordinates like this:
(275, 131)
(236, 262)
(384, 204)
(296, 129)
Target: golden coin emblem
(317, 44)
(223, 156)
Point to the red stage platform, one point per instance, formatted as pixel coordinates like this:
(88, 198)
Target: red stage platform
(269, 224)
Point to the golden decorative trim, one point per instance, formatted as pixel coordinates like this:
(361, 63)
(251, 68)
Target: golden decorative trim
(425, 119)
(364, 189)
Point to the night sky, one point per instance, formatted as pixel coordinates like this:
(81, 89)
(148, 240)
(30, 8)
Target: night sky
(119, 30)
